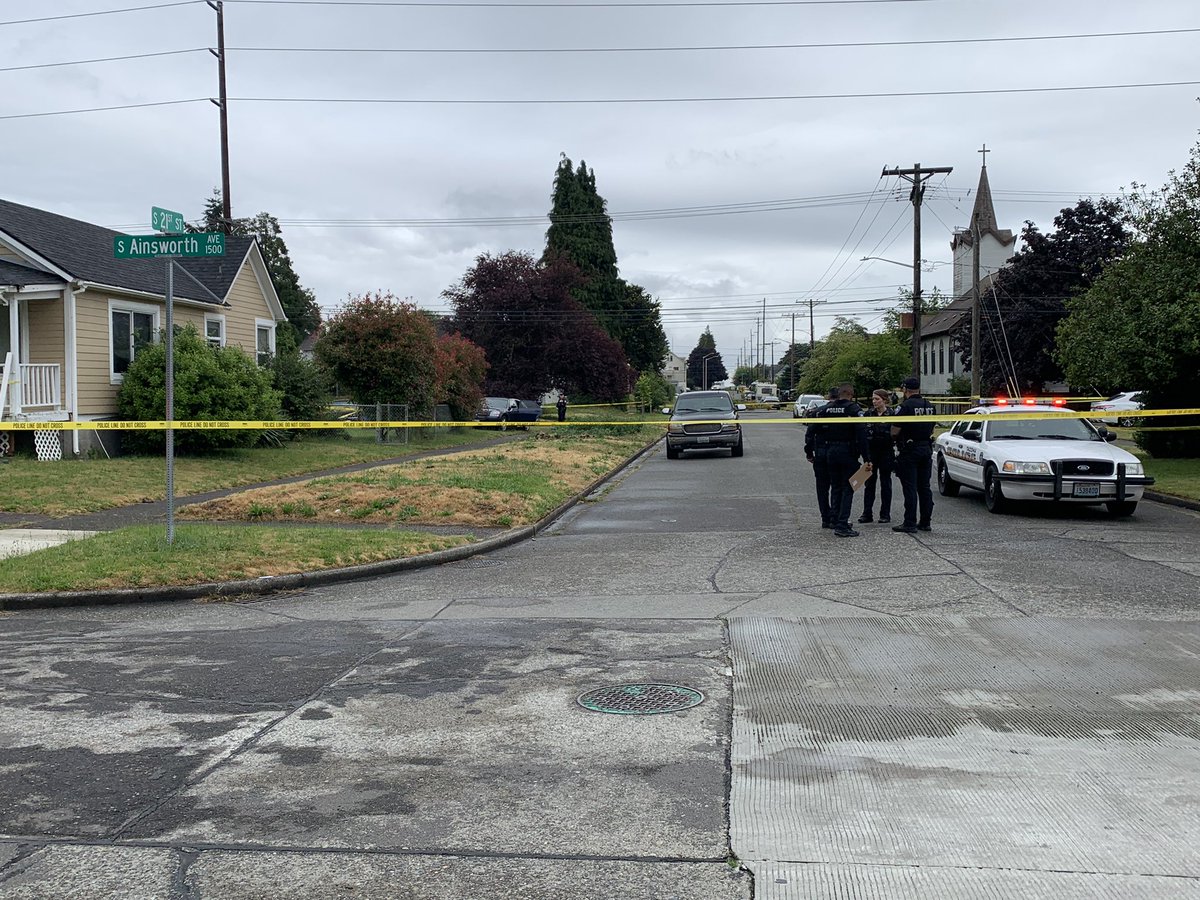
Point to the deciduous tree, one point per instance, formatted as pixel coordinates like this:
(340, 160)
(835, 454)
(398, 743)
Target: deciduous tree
(1138, 326)
(535, 334)
(1019, 317)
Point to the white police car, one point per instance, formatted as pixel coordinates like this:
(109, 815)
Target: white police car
(1058, 460)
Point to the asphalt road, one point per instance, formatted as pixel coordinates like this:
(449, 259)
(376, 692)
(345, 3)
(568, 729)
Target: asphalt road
(1007, 706)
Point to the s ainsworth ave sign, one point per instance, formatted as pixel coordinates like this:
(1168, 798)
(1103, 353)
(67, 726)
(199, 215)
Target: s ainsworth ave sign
(131, 246)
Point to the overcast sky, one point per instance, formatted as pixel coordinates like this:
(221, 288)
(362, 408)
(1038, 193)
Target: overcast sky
(311, 163)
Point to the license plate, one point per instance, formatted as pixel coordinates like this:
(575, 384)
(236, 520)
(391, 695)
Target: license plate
(702, 440)
(1086, 490)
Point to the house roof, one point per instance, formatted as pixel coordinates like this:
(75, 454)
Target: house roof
(951, 315)
(85, 252)
(984, 212)
(19, 276)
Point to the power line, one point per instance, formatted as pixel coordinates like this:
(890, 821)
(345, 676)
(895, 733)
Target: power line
(505, 4)
(102, 59)
(831, 45)
(102, 12)
(616, 100)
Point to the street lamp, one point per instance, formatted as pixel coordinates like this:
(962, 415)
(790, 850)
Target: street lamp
(927, 265)
(704, 377)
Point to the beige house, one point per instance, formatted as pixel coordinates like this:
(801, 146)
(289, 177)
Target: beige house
(72, 317)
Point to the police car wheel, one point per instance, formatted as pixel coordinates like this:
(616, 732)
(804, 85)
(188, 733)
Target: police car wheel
(993, 495)
(947, 486)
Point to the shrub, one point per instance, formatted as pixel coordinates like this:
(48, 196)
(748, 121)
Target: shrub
(210, 384)
(304, 384)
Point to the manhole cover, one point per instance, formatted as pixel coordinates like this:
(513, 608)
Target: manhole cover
(640, 699)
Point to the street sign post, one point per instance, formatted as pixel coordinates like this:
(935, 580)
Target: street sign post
(166, 220)
(133, 246)
(171, 245)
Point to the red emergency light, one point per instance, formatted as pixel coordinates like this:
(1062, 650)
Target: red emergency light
(1002, 401)
(1029, 401)
(1059, 401)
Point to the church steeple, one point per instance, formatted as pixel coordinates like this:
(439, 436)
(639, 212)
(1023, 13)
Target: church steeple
(996, 244)
(983, 216)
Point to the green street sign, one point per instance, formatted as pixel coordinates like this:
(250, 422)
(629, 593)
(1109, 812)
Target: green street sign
(166, 220)
(132, 246)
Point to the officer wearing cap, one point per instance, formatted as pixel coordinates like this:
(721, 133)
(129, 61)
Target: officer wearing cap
(814, 452)
(845, 441)
(914, 459)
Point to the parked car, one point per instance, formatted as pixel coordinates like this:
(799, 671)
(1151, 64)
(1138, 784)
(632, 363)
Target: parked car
(1125, 401)
(503, 410)
(1059, 460)
(800, 408)
(704, 420)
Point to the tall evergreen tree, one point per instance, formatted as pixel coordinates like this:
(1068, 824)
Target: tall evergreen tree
(706, 348)
(581, 231)
(299, 303)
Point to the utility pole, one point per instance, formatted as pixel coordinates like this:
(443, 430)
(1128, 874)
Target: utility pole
(223, 105)
(917, 176)
(792, 351)
(975, 317)
(812, 332)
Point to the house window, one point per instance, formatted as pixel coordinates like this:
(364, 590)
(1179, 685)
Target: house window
(131, 327)
(264, 341)
(214, 330)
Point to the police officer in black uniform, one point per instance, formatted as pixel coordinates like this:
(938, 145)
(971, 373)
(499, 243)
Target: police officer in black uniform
(845, 441)
(883, 459)
(914, 459)
(814, 452)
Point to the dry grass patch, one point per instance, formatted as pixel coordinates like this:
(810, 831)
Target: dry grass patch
(140, 557)
(506, 486)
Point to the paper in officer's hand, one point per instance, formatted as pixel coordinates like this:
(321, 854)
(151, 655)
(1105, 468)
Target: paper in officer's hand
(859, 478)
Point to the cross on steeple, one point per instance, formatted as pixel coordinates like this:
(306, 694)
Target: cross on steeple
(985, 151)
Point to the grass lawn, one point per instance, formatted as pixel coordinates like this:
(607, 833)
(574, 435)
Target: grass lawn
(505, 486)
(141, 557)
(82, 486)
(1177, 477)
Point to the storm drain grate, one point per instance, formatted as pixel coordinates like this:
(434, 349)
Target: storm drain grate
(640, 699)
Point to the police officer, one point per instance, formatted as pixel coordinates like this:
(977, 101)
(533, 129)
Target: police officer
(814, 452)
(845, 440)
(882, 457)
(914, 459)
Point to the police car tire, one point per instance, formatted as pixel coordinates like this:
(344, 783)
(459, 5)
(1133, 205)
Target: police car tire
(947, 486)
(993, 494)
(1121, 507)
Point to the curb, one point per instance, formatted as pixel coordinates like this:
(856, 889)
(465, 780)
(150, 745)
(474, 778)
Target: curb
(270, 584)
(1171, 501)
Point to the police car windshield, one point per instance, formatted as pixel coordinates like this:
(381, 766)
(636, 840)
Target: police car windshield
(1005, 429)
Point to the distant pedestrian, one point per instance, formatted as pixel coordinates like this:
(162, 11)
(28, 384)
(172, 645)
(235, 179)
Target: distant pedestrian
(845, 441)
(562, 407)
(914, 459)
(879, 438)
(814, 452)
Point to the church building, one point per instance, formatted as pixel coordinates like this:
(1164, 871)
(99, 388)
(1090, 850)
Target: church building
(939, 361)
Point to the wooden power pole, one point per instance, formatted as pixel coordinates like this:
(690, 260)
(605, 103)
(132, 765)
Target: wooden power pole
(917, 176)
(223, 105)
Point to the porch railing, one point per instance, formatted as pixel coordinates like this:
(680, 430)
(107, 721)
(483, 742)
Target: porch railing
(34, 387)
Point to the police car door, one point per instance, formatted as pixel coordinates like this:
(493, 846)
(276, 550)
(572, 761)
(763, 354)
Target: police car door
(964, 456)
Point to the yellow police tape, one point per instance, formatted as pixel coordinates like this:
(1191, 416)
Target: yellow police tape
(1011, 412)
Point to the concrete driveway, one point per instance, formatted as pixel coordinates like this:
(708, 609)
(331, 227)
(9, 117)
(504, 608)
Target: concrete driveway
(1007, 706)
